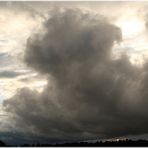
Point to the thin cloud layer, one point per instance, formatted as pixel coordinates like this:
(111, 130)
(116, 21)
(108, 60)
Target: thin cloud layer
(10, 74)
(89, 94)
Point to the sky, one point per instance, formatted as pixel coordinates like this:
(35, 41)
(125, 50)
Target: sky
(73, 71)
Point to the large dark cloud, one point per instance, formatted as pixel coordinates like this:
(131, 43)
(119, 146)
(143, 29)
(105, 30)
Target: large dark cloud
(89, 93)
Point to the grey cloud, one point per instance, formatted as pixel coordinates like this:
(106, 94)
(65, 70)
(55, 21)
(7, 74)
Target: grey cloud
(89, 94)
(23, 7)
(31, 78)
(146, 23)
(10, 74)
(26, 7)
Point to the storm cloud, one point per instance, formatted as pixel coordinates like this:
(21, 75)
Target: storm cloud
(89, 93)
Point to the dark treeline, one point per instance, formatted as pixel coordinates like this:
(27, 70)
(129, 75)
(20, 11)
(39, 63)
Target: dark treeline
(2, 143)
(99, 143)
(119, 143)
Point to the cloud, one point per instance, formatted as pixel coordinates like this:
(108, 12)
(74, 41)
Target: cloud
(25, 7)
(10, 74)
(146, 22)
(89, 94)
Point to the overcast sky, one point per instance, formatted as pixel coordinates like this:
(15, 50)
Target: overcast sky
(73, 70)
